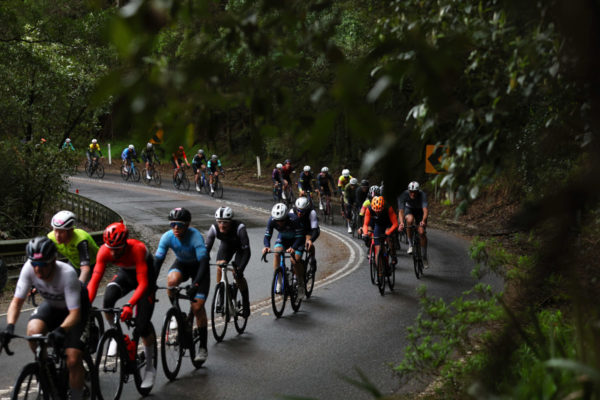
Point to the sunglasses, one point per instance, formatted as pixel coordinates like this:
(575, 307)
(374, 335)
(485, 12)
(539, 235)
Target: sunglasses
(223, 222)
(180, 225)
(39, 264)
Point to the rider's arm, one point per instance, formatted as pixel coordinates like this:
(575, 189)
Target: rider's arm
(210, 238)
(244, 246)
(14, 310)
(101, 259)
(424, 206)
(21, 292)
(366, 221)
(73, 301)
(392, 216)
(161, 251)
(83, 248)
(314, 226)
(141, 272)
(425, 214)
(268, 233)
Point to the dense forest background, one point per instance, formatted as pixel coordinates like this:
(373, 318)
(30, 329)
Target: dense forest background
(510, 87)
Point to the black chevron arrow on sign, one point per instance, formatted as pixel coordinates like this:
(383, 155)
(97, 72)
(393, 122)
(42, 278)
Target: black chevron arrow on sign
(435, 157)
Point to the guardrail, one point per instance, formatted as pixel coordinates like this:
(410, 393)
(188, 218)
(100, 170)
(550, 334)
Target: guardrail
(89, 213)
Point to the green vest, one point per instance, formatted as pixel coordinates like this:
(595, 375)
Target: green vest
(70, 250)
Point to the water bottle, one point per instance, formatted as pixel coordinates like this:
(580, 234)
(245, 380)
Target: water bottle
(130, 346)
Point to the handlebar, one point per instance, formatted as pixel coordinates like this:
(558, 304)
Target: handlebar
(283, 253)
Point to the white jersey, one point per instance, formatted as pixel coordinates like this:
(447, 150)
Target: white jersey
(63, 291)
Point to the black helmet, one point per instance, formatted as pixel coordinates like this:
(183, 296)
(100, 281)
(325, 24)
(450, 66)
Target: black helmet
(364, 183)
(180, 214)
(41, 249)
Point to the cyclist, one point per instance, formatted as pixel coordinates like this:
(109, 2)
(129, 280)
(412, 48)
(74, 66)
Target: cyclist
(149, 156)
(363, 192)
(127, 155)
(305, 182)
(412, 207)
(349, 201)
(75, 244)
(234, 240)
(67, 145)
(93, 151)
(385, 224)
(324, 179)
(199, 165)
(64, 310)
(277, 179)
(191, 261)
(310, 226)
(373, 192)
(136, 272)
(177, 160)
(212, 166)
(343, 180)
(286, 172)
(290, 239)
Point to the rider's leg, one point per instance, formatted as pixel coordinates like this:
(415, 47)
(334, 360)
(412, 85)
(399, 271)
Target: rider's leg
(242, 285)
(76, 371)
(298, 268)
(410, 219)
(423, 237)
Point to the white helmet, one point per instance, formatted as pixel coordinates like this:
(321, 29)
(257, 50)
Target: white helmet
(149, 146)
(68, 140)
(279, 212)
(302, 204)
(63, 220)
(413, 186)
(94, 141)
(131, 147)
(346, 172)
(214, 157)
(224, 213)
(354, 181)
(324, 169)
(200, 151)
(279, 166)
(306, 168)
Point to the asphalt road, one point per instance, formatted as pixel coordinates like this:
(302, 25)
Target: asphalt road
(346, 326)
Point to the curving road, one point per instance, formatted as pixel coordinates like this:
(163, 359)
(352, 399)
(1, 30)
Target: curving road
(346, 326)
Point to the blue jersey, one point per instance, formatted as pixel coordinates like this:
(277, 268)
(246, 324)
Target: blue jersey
(290, 230)
(189, 250)
(128, 154)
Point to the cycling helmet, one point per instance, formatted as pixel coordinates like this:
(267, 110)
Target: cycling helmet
(279, 166)
(374, 191)
(115, 235)
(180, 214)
(364, 183)
(287, 162)
(377, 204)
(302, 204)
(354, 181)
(324, 169)
(63, 220)
(68, 140)
(279, 212)
(200, 151)
(224, 213)
(41, 248)
(94, 141)
(181, 148)
(131, 147)
(214, 156)
(149, 146)
(346, 172)
(413, 186)
(306, 168)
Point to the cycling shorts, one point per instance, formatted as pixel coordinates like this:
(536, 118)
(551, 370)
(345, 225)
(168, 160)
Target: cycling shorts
(53, 317)
(197, 167)
(379, 233)
(416, 213)
(179, 160)
(287, 243)
(227, 251)
(188, 270)
(326, 191)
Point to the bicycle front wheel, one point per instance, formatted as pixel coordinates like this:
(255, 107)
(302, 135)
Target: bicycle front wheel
(278, 295)
(135, 175)
(88, 168)
(219, 189)
(185, 182)
(28, 384)
(294, 298)
(309, 276)
(124, 173)
(110, 365)
(373, 266)
(156, 177)
(145, 176)
(391, 273)
(381, 273)
(100, 171)
(219, 313)
(171, 348)
(141, 361)
(418, 261)
(239, 320)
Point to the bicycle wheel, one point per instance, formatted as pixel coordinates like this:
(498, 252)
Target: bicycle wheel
(99, 171)
(391, 273)
(28, 384)
(219, 327)
(171, 348)
(219, 189)
(373, 265)
(156, 177)
(381, 273)
(329, 211)
(90, 379)
(278, 298)
(145, 177)
(295, 300)
(135, 175)
(205, 184)
(195, 342)
(124, 174)
(185, 182)
(111, 366)
(96, 330)
(309, 276)
(417, 260)
(239, 320)
(88, 170)
(140, 360)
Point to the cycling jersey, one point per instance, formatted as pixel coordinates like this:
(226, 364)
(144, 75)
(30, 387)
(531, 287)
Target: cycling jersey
(276, 176)
(343, 181)
(95, 147)
(62, 291)
(323, 181)
(81, 249)
(198, 161)
(149, 156)
(290, 234)
(384, 223)
(349, 194)
(235, 241)
(286, 172)
(305, 181)
(361, 195)
(310, 224)
(407, 204)
(364, 206)
(129, 154)
(68, 146)
(134, 261)
(212, 166)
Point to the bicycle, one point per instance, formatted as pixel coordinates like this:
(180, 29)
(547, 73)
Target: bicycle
(325, 208)
(129, 359)
(48, 377)
(94, 167)
(174, 341)
(203, 182)
(227, 303)
(372, 261)
(154, 176)
(385, 271)
(217, 187)
(181, 181)
(288, 286)
(131, 174)
(277, 192)
(310, 272)
(417, 257)
(354, 224)
(290, 198)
